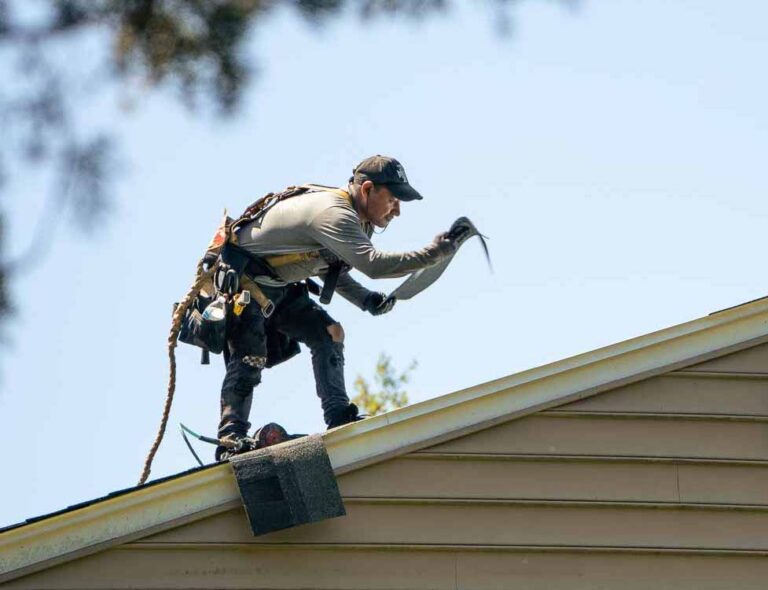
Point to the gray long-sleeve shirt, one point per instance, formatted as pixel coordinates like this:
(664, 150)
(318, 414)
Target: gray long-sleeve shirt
(326, 220)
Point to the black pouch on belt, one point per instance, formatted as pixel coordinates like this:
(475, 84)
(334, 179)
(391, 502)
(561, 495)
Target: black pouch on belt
(197, 330)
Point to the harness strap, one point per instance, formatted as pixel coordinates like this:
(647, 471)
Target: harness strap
(329, 189)
(329, 283)
(266, 305)
(246, 267)
(278, 260)
(285, 259)
(334, 269)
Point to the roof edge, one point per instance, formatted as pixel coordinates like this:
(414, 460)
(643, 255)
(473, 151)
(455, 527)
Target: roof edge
(468, 410)
(92, 528)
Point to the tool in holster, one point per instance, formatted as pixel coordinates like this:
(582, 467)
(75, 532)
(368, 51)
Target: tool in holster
(243, 298)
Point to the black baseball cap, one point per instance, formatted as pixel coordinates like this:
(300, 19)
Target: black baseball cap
(389, 172)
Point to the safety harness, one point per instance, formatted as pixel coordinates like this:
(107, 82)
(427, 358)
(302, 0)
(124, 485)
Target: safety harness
(224, 276)
(257, 210)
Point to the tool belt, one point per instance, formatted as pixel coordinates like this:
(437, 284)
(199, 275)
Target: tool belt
(232, 273)
(248, 267)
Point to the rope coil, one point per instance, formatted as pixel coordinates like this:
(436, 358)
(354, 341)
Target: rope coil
(202, 276)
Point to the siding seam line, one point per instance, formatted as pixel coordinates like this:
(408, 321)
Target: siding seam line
(654, 415)
(441, 547)
(746, 375)
(418, 501)
(449, 456)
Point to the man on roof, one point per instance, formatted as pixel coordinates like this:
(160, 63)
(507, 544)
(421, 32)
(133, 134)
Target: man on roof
(319, 231)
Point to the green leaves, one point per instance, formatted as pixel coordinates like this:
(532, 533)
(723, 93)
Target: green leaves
(387, 392)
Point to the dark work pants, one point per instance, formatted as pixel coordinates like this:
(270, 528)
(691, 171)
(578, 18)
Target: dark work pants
(298, 317)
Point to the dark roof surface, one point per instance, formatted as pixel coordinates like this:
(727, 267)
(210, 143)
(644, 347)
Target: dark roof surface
(739, 305)
(103, 498)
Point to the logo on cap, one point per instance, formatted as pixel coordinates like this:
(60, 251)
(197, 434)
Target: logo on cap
(400, 171)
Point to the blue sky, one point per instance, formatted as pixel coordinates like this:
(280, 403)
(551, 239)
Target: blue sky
(615, 155)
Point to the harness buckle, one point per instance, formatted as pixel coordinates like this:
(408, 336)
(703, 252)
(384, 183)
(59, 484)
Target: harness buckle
(268, 309)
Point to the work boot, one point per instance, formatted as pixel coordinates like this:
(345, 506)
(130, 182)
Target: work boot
(345, 416)
(234, 445)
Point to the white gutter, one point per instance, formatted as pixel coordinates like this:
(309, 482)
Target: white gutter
(161, 506)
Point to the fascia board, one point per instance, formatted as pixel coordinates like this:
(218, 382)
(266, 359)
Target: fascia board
(168, 504)
(121, 519)
(469, 410)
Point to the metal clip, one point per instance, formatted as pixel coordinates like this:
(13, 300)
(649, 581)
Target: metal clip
(226, 280)
(268, 309)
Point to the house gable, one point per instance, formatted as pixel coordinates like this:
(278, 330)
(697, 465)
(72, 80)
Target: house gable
(533, 467)
(665, 479)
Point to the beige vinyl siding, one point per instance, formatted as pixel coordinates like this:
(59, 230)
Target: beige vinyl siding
(561, 477)
(752, 360)
(623, 436)
(659, 484)
(432, 522)
(345, 568)
(685, 393)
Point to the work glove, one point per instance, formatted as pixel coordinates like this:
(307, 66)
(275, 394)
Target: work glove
(377, 303)
(447, 243)
(458, 233)
(444, 244)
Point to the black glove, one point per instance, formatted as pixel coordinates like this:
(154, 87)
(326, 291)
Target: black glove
(448, 242)
(459, 233)
(377, 303)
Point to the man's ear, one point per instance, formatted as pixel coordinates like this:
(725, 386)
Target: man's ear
(366, 188)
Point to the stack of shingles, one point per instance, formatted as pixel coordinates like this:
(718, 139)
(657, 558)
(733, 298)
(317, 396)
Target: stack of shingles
(287, 485)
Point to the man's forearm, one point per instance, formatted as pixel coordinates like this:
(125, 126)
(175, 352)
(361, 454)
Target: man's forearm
(340, 232)
(351, 290)
(380, 265)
